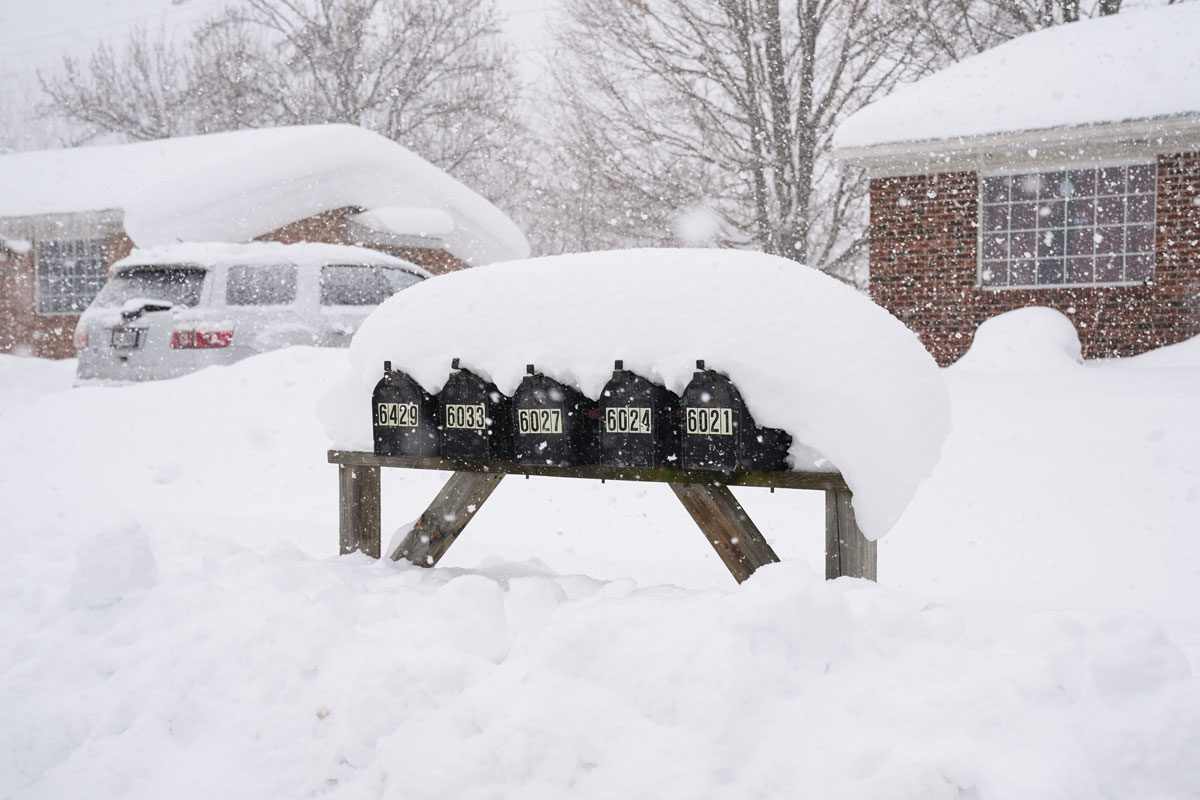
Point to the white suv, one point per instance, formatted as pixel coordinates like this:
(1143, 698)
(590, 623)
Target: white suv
(169, 311)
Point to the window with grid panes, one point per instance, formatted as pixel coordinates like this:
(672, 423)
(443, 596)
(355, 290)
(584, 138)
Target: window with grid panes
(1067, 228)
(70, 273)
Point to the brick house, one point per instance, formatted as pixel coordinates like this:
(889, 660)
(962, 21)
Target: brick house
(1059, 169)
(67, 215)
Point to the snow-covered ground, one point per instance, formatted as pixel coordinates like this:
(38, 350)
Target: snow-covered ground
(174, 622)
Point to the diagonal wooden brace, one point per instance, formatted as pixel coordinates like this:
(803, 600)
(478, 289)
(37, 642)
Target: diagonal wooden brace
(441, 523)
(727, 527)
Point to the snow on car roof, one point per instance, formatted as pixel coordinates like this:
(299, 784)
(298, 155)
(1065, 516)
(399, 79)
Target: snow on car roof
(1137, 65)
(303, 254)
(238, 185)
(809, 354)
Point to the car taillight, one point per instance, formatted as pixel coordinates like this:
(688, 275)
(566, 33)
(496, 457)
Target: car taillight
(200, 340)
(81, 338)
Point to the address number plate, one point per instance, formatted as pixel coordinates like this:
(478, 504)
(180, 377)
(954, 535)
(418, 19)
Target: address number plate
(465, 417)
(533, 421)
(627, 420)
(397, 415)
(710, 421)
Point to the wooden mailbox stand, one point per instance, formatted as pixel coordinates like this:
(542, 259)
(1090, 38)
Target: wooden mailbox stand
(705, 495)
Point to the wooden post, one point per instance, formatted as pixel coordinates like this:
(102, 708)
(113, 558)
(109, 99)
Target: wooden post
(358, 509)
(437, 528)
(847, 551)
(727, 527)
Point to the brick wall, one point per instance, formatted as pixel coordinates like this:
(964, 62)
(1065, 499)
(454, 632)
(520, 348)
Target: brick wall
(923, 258)
(24, 330)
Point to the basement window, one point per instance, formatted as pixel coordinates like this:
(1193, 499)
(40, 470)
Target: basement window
(1080, 227)
(70, 273)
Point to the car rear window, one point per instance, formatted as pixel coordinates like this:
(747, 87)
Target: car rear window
(261, 285)
(179, 286)
(354, 285)
(401, 279)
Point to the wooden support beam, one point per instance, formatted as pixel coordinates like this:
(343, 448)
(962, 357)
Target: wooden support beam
(727, 527)
(455, 505)
(847, 551)
(823, 480)
(358, 510)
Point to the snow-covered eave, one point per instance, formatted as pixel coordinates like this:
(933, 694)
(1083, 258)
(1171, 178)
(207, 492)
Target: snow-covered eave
(1019, 150)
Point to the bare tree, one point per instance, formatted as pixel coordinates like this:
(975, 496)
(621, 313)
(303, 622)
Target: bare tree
(954, 29)
(730, 105)
(434, 75)
(143, 91)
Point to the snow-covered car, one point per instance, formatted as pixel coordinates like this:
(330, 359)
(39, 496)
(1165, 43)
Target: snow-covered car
(172, 310)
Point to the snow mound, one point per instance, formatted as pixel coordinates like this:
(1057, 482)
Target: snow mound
(1139, 65)
(112, 563)
(1033, 338)
(809, 354)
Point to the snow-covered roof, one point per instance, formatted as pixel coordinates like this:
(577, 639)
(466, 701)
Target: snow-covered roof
(422, 223)
(1136, 66)
(808, 353)
(303, 254)
(237, 185)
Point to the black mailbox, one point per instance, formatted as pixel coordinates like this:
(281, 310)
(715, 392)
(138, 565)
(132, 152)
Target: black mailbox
(404, 416)
(720, 434)
(639, 422)
(552, 423)
(476, 418)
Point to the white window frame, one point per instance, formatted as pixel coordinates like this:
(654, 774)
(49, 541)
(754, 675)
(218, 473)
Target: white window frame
(77, 249)
(1064, 284)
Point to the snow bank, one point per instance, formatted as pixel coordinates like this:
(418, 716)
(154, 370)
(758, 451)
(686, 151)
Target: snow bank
(1028, 338)
(257, 665)
(238, 185)
(279, 676)
(810, 355)
(1138, 65)
(303, 254)
(113, 563)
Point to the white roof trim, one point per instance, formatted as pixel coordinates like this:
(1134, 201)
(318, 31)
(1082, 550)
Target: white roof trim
(1107, 142)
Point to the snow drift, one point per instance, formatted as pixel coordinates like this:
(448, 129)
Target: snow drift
(234, 656)
(809, 354)
(1028, 338)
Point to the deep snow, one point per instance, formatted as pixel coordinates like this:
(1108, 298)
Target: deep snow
(237, 185)
(1011, 650)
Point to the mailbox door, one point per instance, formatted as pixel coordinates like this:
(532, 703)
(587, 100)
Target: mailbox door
(405, 418)
(541, 422)
(475, 418)
(553, 424)
(637, 423)
(713, 418)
